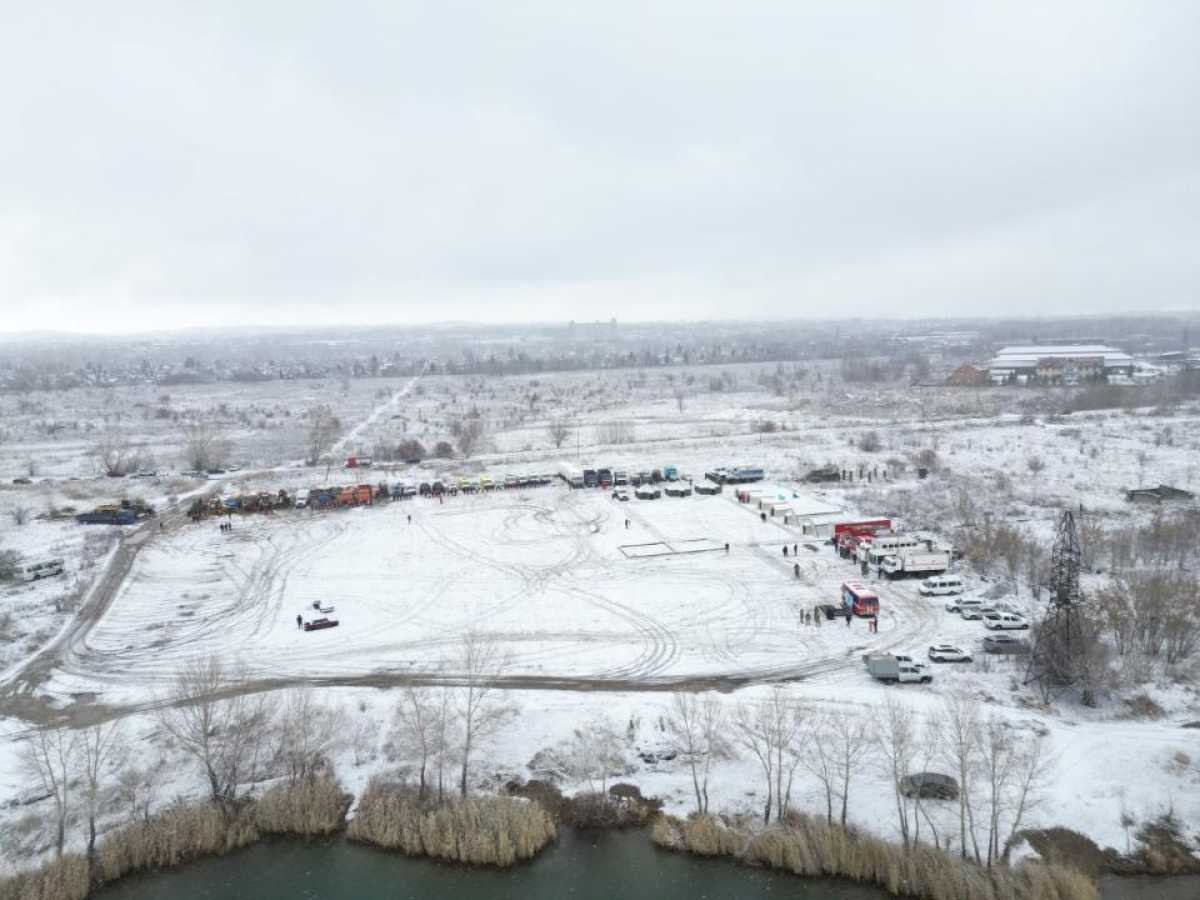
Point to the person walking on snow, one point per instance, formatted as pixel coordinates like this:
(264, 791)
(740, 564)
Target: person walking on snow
(299, 622)
(785, 551)
(795, 549)
(796, 569)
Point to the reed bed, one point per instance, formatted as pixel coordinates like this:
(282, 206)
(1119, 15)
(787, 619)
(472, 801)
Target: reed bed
(489, 831)
(812, 847)
(182, 833)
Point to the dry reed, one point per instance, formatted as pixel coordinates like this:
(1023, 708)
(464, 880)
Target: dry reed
(492, 831)
(812, 847)
(183, 833)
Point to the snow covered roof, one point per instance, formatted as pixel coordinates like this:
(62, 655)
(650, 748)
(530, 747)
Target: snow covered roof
(1028, 355)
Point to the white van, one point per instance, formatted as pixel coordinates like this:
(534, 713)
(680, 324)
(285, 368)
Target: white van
(301, 498)
(36, 571)
(937, 585)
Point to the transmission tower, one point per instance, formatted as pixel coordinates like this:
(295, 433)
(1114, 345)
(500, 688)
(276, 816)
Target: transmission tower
(1059, 655)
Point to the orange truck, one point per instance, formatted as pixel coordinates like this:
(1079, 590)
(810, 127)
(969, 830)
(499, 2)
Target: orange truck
(346, 496)
(364, 493)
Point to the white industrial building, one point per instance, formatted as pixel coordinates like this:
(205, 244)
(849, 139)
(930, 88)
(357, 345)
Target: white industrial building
(1059, 364)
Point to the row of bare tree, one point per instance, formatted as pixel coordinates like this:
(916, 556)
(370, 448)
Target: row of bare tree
(202, 445)
(1000, 771)
(238, 737)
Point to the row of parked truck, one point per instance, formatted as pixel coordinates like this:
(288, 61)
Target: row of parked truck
(874, 545)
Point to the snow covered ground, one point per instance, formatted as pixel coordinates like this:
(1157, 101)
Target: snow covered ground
(543, 572)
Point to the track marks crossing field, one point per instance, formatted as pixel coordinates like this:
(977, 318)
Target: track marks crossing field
(540, 571)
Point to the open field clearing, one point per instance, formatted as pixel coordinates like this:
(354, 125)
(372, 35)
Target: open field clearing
(542, 572)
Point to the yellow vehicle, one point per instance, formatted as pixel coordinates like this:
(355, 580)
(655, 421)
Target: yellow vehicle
(486, 483)
(467, 485)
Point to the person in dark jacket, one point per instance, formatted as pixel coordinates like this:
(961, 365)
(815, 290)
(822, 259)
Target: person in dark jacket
(299, 621)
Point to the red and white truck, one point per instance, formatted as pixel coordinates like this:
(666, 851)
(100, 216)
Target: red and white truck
(848, 535)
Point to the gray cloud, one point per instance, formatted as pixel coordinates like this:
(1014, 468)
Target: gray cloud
(412, 161)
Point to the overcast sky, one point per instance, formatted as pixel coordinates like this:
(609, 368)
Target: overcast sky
(166, 165)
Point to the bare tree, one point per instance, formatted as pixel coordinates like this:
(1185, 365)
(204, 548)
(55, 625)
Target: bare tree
(364, 734)
(558, 431)
(49, 759)
(960, 753)
(137, 788)
(419, 728)
(479, 712)
(772, 730)
(840, 745)
(222, 729)
(442, 743)
(819, 759)
(111, 452)
(596, 752)
(308, 733)
(204, 445)
(895, 738)
(1013, 769)
(470, 435)
(20, 514)
(618, 432)
(698, 725)
(323, 430)
(98, 744)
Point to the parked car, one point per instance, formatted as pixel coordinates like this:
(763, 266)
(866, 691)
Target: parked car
(948, 653)
(1004, 643)
(1005, 621)
(972, 611)
(955, 604)
(929, 786)
(318, 624)
(620, 494)
(22, 480)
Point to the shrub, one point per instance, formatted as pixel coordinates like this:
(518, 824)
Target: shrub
(1069, 848)
(544, 793)
(494, 831)
(9, 561)
(1164, 850)
(592, 809)
(869, 442)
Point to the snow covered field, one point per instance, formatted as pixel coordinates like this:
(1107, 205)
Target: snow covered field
(540, 571)
(593, 631)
